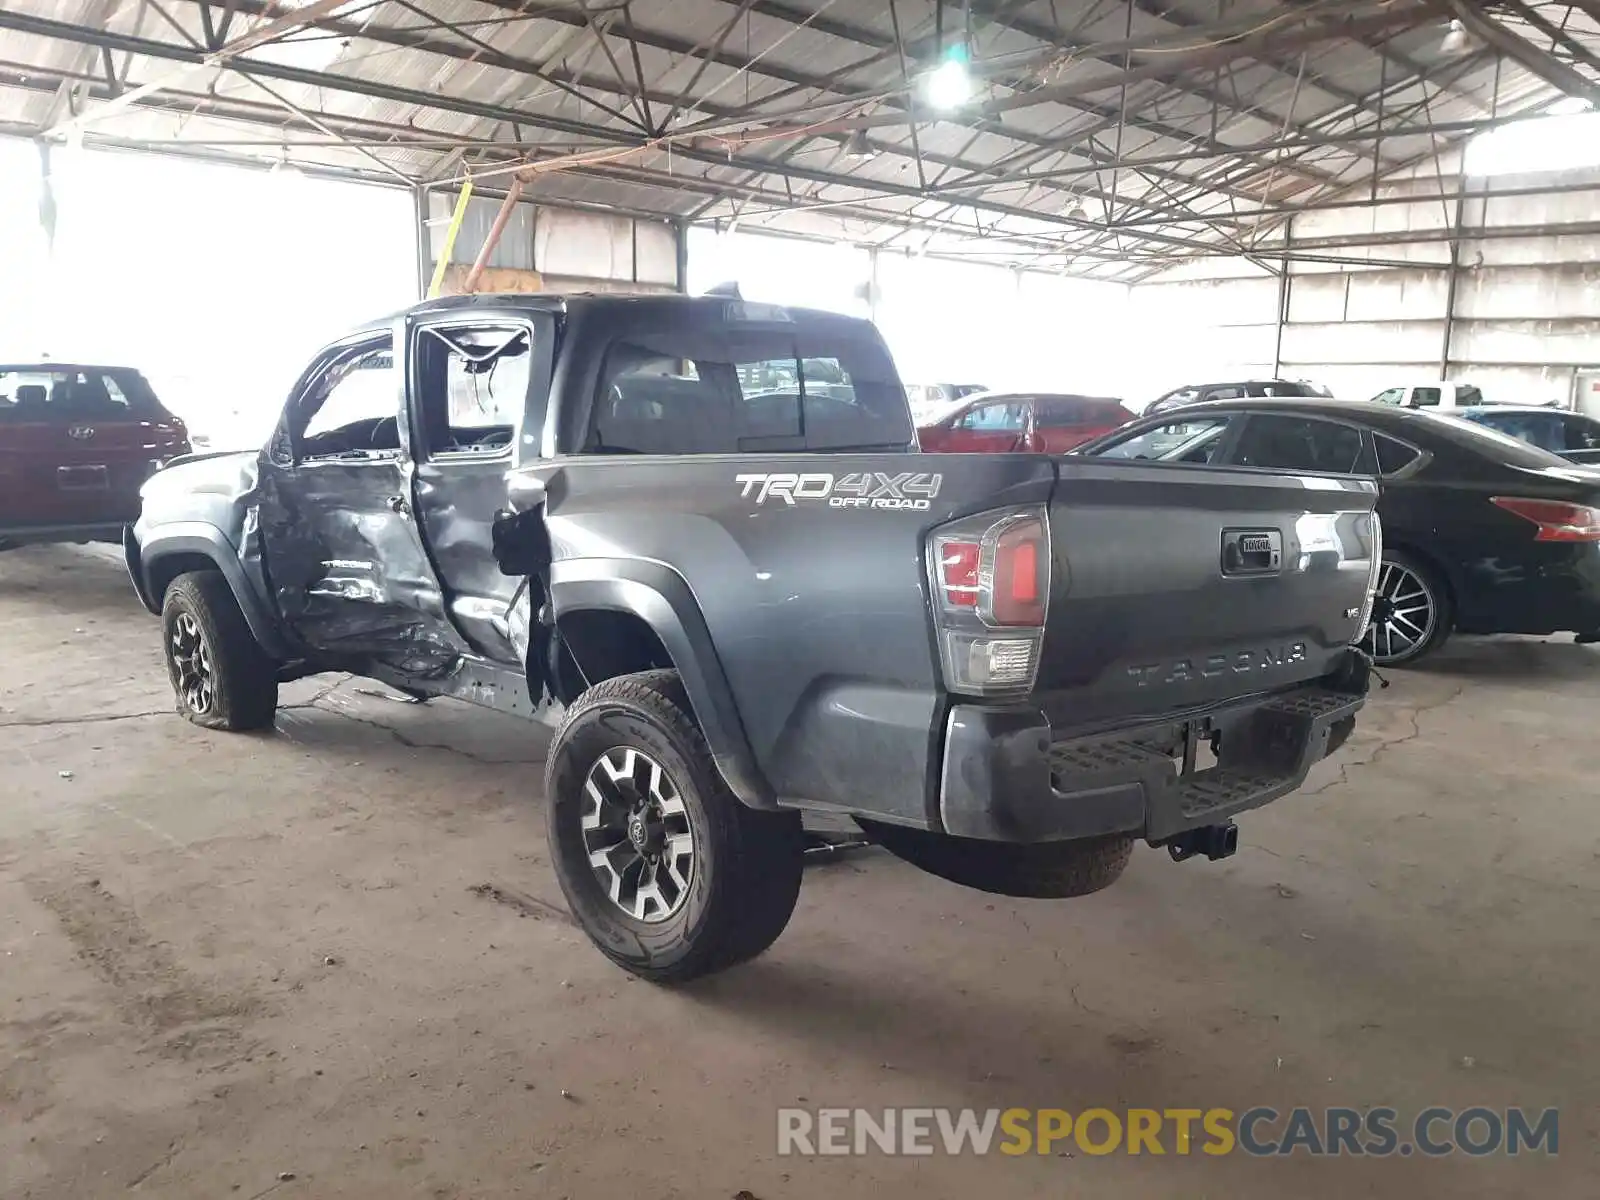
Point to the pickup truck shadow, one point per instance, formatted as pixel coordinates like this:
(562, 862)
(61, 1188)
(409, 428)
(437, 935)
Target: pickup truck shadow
(962, 1039)
(356, 716)
(353, 715)
(68, 580)
(966, 1045)
(1513, 659)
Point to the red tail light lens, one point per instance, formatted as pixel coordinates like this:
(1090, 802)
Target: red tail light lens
(958, 570)
(1558, 521)
(1018, 597)
(989, 574)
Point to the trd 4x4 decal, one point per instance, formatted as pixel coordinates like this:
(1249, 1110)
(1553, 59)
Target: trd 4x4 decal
(909, 491)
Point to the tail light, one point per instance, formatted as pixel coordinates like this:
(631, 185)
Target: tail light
(990, 577)
(1558, 521)
(1373, 571)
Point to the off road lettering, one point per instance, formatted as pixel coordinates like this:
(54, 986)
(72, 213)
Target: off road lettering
(907, 491)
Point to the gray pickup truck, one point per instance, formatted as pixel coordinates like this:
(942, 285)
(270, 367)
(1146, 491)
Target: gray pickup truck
(697, 536)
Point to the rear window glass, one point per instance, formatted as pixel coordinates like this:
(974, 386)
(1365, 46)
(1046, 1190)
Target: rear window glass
(1061, 412)
(1581, 433)
(1065, 412)
(1003, 416)
(1480, 439)
(1392, 455)
(730, 391)
(1299, 444)
(1537, 429)
(40, 394)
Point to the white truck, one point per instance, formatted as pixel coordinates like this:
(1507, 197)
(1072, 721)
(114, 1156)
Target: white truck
(1431, 395)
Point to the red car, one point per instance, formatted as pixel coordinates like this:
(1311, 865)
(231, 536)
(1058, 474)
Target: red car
(76, 444)
(1033, 422)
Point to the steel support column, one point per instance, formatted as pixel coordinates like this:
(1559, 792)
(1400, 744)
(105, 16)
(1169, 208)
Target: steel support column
(872, 284)
(419, 212)
(680, 237)
(1451, 281)
(47, 198)
(1283, 297)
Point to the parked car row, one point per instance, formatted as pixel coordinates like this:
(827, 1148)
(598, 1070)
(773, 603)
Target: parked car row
(1491, 524)
(1482, 531)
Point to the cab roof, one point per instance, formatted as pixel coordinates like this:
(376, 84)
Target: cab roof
(635, 303)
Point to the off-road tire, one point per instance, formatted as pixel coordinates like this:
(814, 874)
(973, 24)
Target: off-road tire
(1040, 871)
(244, 693)
(748, 863)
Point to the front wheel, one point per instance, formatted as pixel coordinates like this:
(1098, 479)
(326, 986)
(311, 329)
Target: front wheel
(221, 677)
(1411, 612)
(663, 867)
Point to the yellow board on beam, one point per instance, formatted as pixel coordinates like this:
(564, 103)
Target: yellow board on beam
(456, 218)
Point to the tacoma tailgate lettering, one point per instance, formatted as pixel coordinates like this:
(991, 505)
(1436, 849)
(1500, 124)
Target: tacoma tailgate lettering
(1240, 662)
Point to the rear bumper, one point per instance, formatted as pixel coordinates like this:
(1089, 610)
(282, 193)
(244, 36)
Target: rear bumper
(1006, 777)
(1551, 588)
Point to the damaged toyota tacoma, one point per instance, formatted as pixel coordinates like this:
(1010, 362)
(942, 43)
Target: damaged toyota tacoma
(697, 537)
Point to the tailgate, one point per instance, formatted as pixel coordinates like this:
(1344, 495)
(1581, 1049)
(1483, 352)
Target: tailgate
(1180, 587)
(76, 471)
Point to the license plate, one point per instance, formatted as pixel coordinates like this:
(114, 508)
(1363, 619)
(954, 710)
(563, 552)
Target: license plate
(82, 479)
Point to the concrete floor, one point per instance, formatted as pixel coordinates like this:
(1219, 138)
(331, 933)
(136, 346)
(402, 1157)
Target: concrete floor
(227, 958)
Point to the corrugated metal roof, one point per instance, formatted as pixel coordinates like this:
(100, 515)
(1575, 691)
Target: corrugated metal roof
(1158, 142)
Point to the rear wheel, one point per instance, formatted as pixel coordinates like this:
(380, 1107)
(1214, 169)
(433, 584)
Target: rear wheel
(221, 677)
(1411, 613)
(669, 874)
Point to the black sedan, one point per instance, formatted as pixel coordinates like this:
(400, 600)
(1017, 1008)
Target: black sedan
(1482, 533)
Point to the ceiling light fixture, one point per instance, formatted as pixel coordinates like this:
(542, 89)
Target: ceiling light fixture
(858, 148)
(950, 85)
(1455, 38)
(1077, 212)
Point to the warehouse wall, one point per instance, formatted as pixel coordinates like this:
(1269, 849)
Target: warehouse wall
(1524, 323)
(945, 321)
(545, 249)
(218, 282)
